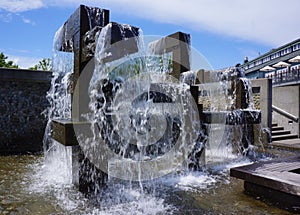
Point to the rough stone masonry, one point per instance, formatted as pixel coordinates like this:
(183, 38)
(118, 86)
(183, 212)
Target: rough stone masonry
(22, 101)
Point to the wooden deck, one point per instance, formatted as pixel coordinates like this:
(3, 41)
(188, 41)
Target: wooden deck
(275, 180)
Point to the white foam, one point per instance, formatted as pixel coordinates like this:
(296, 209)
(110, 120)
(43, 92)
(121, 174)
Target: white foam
(143, 205)
(192, 181)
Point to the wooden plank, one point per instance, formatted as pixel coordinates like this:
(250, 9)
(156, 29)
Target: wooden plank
(274, 174)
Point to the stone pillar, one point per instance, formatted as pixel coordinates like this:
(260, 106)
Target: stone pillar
(82, 21)
(179, 45)
(197, 156)
(262, 98)
(79, 37)
(203, 77)
(181, 55)
(75, 28)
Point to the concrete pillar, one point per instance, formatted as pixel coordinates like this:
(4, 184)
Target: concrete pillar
(75, 28)
(178, 44)
(262, 98)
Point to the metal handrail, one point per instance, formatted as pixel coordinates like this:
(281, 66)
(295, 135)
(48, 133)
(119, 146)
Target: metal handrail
(285, 114)
(286, 76)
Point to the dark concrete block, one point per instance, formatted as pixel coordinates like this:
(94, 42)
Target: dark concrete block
(91, 179)
(179, 45)
(63, 131)
(123, 41)
(238, 117)
(82, 20)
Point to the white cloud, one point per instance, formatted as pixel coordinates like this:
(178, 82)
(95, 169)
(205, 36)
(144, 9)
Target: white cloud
(6, 17)
(28, 21)
(15, 6)
(9, 17)
(24, 62)
(271, 22)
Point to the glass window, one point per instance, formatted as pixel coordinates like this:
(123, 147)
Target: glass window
(266, 59)
(258, 62)
(273, 56)
(296, 47)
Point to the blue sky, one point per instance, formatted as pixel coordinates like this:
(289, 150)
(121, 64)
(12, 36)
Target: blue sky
(224, 32)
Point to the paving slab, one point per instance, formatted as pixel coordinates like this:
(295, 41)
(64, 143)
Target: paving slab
(290, 144)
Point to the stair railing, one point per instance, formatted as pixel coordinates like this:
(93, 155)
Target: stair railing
(285, 113)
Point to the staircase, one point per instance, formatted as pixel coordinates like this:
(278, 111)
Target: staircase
(279, 133)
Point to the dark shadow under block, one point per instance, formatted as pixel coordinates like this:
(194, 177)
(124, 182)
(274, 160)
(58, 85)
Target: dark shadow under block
(274, 197)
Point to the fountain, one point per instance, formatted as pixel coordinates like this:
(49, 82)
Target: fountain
(120, 111)
(228, 117)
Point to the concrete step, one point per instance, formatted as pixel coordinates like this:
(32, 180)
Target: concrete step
(274, 124)
(280, 132)
(284, 137)
(290, 144)
(277, 128)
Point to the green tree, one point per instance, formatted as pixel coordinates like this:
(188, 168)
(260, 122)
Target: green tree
(45, 64)
(6, 64)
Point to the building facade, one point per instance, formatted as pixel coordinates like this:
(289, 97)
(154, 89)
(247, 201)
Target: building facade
(282, 65)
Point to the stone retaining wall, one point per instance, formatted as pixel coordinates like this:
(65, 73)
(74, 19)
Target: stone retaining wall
(287, 98)
(22, 101)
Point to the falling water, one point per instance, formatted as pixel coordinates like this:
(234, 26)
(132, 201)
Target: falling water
(221, 97)
(146, 121)
(140, 111)
(57, 157)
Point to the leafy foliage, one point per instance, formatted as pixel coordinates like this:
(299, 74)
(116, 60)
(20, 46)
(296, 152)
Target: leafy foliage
(45, 64)
(6, 64)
